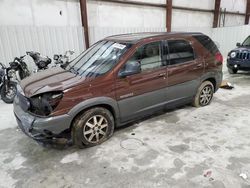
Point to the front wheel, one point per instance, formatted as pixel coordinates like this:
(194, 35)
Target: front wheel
(93, 127)
(232, 71)
(8, 92)
(204, 94)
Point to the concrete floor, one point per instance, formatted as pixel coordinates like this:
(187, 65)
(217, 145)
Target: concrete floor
(172, 149)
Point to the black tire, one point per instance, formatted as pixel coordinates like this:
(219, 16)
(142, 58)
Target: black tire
(232, 71)
(201, 99)
(6, 96)
(92, 127)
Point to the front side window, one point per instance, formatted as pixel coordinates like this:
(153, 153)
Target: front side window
(149, 56)
(246, 42)
(179, 51)
(98, 59)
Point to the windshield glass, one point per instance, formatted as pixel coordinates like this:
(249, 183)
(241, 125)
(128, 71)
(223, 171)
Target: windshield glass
(98, 59)
(246, 42)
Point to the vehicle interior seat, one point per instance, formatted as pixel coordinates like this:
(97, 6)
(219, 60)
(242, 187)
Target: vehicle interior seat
(152, 58)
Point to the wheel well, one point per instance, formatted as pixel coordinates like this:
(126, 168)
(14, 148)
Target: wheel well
(213, 81)
(106, 106)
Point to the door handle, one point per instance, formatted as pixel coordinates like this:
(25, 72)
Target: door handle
(197, 66)
(162, 75)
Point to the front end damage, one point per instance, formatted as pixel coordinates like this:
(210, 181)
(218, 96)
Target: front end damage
(44, 104)
(34, 117)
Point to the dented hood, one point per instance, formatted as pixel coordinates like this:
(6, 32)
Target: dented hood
(54, 79)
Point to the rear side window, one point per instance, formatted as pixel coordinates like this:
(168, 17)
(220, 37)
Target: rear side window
(179, 51)
(207, 43)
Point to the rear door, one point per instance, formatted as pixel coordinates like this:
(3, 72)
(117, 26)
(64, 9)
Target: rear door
(184, 69)
(140, 93)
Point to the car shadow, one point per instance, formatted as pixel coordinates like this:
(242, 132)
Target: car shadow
(245, 73)
(148, 117)
(131, 125)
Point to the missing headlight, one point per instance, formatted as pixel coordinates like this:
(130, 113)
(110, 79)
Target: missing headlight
(44, 104)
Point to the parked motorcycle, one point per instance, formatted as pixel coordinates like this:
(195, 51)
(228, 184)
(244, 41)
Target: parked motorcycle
(7, 86)
(20, 68)
(40, 61)
(63, 60)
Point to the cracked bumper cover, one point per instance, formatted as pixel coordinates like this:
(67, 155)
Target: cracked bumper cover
(40, 129)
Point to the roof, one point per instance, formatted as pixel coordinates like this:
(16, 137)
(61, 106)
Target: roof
(136, 37)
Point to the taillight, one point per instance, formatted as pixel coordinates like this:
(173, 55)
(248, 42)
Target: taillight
(219, 57)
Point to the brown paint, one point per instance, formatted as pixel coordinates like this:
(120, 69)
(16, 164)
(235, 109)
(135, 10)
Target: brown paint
(77, 89)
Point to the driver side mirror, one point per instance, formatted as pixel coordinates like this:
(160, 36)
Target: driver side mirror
(238, 44)
(130, 68)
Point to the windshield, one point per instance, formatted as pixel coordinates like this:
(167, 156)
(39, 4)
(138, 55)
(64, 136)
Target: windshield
(246, 42)
(98, 59)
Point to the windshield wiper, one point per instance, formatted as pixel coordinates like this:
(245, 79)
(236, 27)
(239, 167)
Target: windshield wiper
(72, 70)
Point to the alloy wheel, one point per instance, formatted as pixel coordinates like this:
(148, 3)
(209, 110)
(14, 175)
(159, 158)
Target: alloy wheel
(95, 129)
(206, 95)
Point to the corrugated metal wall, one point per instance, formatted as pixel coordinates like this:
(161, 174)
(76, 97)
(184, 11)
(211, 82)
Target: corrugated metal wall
(16, 40)
(227, 37)
(97, 33)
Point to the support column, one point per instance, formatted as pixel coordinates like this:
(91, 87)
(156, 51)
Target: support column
(216, 13)
(84, 17)
(247, 12)
(169, 8)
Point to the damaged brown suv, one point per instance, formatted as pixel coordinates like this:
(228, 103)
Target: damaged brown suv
(118, 80)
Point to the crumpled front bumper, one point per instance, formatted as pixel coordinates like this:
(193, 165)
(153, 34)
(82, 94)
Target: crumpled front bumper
(48, 129)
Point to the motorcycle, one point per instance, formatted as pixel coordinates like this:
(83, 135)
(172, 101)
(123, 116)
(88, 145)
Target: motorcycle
(40, 61)
(8, 87)
(63, 60)
(20, 68)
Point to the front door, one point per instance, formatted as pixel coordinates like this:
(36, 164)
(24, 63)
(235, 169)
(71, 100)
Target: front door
(140, 93)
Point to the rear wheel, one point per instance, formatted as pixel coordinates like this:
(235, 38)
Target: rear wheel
(204, 94)
(93, 127)
(232, 71)
(8, 93)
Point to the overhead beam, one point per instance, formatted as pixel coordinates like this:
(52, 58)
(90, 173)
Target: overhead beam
(137, 3)
(84, 17)
(247, 12)
(169, 15)
(160, 5)
(216, 13)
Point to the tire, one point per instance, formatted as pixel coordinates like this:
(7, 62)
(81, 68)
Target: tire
(92, 127)
(232, 71)
(206, 90)
(8, 96)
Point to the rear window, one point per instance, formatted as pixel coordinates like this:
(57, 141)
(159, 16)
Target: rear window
(207, 43)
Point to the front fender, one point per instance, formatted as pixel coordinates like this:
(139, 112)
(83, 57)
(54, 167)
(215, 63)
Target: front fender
(95, 102)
